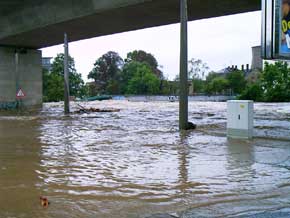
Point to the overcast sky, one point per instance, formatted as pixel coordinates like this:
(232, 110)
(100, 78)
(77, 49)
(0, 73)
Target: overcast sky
(220, 42)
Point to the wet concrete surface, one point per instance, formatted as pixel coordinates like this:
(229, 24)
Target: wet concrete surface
(135, 163)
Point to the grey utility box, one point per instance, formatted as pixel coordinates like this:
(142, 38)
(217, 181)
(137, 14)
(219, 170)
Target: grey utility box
(240, 116)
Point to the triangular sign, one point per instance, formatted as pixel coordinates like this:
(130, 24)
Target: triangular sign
(20, 93)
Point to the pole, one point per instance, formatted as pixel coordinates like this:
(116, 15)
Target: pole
(183, 86)
(66, 76)
(18, 102)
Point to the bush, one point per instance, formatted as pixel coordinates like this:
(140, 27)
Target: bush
(252, 92)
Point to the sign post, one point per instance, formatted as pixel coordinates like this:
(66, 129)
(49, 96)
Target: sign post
(276, 29)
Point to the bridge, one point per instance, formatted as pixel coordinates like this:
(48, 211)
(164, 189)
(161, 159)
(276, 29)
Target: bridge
(27, 25)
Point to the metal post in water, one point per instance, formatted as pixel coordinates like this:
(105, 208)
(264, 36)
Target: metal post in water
(17, 77)
(183, 86)
(66, 76)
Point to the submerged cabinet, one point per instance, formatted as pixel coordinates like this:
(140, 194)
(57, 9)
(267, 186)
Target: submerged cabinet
(240, 116)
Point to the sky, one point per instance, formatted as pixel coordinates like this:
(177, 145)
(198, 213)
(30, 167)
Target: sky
(219, 42)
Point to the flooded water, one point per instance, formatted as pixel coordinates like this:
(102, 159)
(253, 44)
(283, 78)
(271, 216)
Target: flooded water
(135, 162)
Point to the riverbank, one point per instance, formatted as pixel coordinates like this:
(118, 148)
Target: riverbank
(203, 98)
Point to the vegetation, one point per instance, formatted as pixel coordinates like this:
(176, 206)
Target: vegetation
(236, 81)
(197, 71)
(145, 58)
(273, 84)
(139, 74)
(53, 85)
(143, 81)
(107, 72)
(270, 85)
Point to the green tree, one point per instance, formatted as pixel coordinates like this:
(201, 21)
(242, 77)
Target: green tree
(106, 72)
(253, 92)
(144, 57)
(208, 83)
(53, 86)
(218, 85)
(128, 72)
(273, 84)
(144, 81)
(275, 81)
(236, 81)
(198, 85)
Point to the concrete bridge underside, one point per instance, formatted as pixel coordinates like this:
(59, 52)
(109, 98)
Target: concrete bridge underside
(38, 23)
(34, 24)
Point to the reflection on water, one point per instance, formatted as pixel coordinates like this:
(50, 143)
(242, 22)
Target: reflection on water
(135, 162)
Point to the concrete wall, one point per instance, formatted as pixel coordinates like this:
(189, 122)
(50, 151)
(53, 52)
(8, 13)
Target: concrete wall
(29, 77)
(218, 98)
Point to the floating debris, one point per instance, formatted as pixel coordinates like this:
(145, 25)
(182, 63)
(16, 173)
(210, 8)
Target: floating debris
(44, 201)
(96, 110)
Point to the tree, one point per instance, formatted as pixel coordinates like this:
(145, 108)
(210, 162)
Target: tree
(128, 72)
(198, 85)
(197, 69)
(237, 81)
(253, 92)
(144, 81)
(273, 84)
(275, 81)
(106, 72)
(218, 85)
(53, 86)
(208, 82)
(144, 57)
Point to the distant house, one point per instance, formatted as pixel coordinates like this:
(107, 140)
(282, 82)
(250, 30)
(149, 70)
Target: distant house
(250, 73)
(46, 63)
(227, 70)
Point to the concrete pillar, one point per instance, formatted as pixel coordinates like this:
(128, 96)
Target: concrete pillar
(183, 86)
(20, 68)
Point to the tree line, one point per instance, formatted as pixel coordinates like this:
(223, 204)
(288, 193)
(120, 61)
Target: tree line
(140, 74)
(271, 84)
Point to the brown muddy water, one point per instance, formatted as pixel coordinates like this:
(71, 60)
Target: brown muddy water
(135, 162)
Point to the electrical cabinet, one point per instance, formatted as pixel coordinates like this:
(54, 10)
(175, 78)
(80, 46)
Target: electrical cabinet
(240, 119)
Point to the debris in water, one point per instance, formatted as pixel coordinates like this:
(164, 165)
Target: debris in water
(191, 126)
(44, 201)
(96, 110)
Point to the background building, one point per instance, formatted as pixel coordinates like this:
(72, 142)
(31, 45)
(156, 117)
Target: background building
(46, 63)
(257, 61)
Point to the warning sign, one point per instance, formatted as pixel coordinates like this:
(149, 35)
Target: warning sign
(20, 94)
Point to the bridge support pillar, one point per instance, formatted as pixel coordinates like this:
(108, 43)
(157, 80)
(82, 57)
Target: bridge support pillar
(20, 69)
(183, 76)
